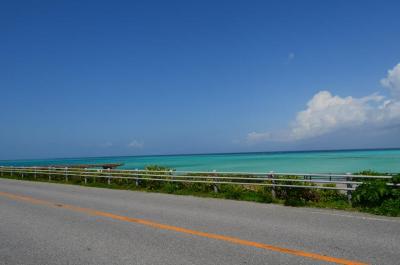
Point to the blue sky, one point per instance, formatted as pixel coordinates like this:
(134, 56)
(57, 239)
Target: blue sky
(99, 78)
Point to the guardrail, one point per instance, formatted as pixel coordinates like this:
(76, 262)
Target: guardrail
(343, 182)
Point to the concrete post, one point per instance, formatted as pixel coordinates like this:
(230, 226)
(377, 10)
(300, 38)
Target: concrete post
(66, 174)
(109, 179)
(215, 185)
(101, 173)
(34, 172)
(273, 193)
(349, 186)
(84, 176)
(171, 177)
(49, 172)
(136, 180)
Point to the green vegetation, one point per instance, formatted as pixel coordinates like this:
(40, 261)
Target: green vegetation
(374, 196)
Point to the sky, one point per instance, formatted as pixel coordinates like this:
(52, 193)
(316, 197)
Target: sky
(102, 78)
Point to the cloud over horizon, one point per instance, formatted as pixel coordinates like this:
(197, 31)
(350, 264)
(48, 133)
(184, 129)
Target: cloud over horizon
(327, 113)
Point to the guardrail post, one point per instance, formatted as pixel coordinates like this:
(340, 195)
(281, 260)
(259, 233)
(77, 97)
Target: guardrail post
(171, 177)
(109, 179)
(66, 174)
(349, 186)
(84, 174)
(215, 185)
(137, 179)
(34, 172)
(49, 172)
(273, 193)
(101, 173)
(1, 170)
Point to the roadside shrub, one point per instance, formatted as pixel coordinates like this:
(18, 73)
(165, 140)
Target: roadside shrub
(390, 207)
(231, 191)
(396, 179)
(297, 196)
(249, 193)
(295, 201)
(326, 195)
(155, 184)
(265, 195)
(376, 197)
(371, 193)
(170, 187)
(198, 187)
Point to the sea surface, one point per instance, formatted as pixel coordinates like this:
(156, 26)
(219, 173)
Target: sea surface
(385, 161)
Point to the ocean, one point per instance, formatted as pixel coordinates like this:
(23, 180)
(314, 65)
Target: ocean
(385, 161)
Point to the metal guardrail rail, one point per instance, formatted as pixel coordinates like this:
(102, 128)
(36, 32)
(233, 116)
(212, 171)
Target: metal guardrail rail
(344, 182)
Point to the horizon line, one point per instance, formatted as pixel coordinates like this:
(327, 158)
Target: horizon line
(215, 153)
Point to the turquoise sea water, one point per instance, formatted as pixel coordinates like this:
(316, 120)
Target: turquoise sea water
(296, 162)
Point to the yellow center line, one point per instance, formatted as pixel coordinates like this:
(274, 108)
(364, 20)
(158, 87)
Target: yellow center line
(233, 240)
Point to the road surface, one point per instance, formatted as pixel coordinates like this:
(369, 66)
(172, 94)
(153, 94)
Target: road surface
(44, 223)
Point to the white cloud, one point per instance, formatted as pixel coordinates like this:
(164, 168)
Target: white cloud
(326, 113)
(392, 81)
(136, 144)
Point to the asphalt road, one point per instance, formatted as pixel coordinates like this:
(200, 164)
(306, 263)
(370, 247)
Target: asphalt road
(42, 223)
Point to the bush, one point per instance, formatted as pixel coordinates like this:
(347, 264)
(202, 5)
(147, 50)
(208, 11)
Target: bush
(249, 193)
(396, 179)
(371, 193)
(300, 196)
(297, 196)
(231, 191)
(390, 207)
(155, 184)
(265, 195)
(331, 195)
(170, 187)
(376, 197)
(293, 201)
